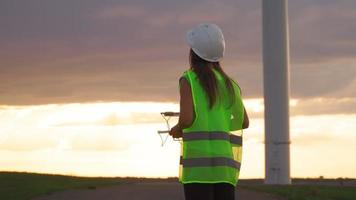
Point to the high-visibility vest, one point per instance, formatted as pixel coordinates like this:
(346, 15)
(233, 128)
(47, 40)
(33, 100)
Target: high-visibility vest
(212, 146)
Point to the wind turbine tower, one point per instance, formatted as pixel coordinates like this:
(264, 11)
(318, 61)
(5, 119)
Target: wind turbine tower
(276, 90)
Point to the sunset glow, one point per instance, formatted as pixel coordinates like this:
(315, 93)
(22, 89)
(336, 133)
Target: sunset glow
(120, 139)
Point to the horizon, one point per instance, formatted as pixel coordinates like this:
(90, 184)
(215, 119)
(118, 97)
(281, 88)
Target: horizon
(170, 177)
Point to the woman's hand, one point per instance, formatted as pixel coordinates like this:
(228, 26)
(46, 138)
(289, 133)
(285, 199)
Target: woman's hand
(176, 132)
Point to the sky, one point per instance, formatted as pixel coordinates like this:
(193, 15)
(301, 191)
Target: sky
(83, 83)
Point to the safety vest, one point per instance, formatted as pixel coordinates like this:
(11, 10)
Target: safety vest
(211, 150)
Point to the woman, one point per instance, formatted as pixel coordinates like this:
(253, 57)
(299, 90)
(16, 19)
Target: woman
(210, 107)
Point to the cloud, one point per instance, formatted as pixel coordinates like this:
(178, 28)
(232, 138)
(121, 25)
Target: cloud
(23, 141)
(307, 107)
(114, 119)
(61, 52)
(322, 31)
(324, 106)
(119, 11)
(82, 127)
(326, 79)
(97, 142)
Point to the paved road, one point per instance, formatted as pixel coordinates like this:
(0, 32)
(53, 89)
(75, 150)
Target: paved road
(140, 191)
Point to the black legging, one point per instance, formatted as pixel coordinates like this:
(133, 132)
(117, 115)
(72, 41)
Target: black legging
(209, 191)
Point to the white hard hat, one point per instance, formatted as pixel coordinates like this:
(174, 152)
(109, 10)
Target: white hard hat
(207, 41)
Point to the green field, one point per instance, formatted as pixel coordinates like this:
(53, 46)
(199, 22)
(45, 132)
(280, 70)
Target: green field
(24, 186)
(308, 192)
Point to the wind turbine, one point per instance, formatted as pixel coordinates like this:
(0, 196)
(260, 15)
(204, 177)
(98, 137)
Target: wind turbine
(276, 90)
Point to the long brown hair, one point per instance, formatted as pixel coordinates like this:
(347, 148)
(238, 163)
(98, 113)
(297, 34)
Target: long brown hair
(207, 78)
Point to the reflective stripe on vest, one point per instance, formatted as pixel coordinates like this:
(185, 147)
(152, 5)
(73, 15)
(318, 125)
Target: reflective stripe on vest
(209, 162)
(214, 135)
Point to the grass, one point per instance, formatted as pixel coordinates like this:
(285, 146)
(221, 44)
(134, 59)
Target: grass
(308, 192)
(24, 186)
